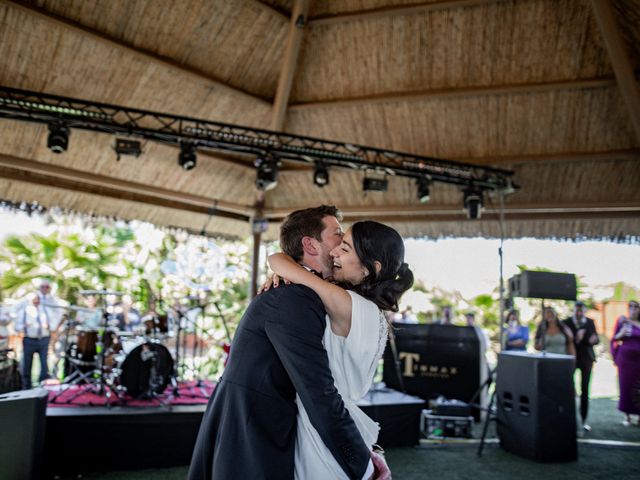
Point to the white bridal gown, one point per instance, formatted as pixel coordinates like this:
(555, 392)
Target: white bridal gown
(353, 361)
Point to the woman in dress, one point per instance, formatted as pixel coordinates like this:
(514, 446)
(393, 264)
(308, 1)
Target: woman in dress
(370, 275)
(517, 334)
(625, 348)
(552, 336)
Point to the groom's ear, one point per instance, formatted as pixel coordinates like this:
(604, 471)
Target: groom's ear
(309, 246)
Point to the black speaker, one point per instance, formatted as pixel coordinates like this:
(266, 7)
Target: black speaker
(548, 285)
(536, 406)
(438, 360)
(23, 417)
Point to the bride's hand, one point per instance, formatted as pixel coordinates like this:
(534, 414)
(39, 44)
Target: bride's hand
(272, 281)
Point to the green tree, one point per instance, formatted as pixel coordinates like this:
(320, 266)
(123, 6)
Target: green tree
(69, 261)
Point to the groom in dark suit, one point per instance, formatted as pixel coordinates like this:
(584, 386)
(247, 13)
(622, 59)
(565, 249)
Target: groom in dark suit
(249, 428)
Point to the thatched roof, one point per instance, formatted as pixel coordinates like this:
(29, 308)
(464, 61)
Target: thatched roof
(546, 88)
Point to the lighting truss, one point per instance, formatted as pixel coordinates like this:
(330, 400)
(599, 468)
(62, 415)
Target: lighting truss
(173, 129)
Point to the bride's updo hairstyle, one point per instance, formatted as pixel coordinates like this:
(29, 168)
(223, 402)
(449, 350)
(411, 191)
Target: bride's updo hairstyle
(373, 242)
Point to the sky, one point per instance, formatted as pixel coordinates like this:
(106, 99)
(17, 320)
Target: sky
(472, 266)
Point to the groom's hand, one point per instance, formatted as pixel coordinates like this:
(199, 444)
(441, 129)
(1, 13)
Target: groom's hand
(381, 471)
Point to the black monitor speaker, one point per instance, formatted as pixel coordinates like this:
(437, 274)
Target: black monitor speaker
(23, 415)
(548, 285)
(536, 406)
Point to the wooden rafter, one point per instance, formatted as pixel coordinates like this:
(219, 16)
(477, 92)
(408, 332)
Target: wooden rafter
(269, 8)
(620, 60)
(114, 43)
(390, 11)
(292, 50)
(463, 92)
(54, 176)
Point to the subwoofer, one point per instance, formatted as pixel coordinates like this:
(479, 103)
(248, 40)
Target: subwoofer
(536, 406)
(23, 415)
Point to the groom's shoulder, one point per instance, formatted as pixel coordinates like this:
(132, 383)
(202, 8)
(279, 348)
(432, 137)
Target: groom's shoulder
(295, 292)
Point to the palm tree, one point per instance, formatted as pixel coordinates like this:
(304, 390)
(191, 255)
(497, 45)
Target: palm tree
(67, 260)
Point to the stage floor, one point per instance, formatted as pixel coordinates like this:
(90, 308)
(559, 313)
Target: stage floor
(94, 437)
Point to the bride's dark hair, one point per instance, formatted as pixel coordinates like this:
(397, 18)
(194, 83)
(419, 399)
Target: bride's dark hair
(373, 242)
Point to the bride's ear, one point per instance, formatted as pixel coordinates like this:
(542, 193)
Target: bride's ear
(378, 266)
(309, 246)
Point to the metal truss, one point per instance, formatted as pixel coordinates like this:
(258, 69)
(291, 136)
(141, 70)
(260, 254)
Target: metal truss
(160, 127)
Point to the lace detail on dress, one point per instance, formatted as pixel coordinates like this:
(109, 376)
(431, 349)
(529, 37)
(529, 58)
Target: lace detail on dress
(383, 333)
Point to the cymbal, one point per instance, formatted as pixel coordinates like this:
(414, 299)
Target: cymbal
(100, 292)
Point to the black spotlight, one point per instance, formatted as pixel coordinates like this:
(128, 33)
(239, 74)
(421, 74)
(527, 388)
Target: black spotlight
(321, 175)
(267, 173)
(58, 139)
(423, 189)
(472, 201)
(187, 157)
(124, 146)
(370, 184)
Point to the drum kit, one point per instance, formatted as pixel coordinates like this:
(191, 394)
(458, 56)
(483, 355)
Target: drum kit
(107, 360)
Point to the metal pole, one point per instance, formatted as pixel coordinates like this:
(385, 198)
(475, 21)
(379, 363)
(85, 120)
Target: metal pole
(500, 253)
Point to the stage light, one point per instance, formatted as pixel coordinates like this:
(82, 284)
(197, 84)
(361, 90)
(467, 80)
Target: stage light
(58, 139)
(423, 185)
(187, 158)
(267, 173)
(370, 184)
(127, 147)
(472, 201)
(321, 175)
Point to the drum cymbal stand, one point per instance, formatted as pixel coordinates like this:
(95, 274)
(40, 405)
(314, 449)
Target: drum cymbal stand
(183, 320)
(175, 373)
(148, 355)
(76, 375)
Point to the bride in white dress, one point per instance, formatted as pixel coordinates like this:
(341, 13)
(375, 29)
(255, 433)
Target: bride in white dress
(370, 264)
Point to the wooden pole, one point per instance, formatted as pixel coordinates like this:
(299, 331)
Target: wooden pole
(619, 56)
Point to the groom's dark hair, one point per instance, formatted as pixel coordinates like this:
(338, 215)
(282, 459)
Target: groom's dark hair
(304, 223)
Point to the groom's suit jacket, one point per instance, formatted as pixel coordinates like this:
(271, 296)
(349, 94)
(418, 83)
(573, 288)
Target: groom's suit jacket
(249, 428)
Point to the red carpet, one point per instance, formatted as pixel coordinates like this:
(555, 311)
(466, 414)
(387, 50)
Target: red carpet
(87, 396)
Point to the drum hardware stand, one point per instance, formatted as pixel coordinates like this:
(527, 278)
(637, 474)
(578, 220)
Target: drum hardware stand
(150, 393)
(95, 377)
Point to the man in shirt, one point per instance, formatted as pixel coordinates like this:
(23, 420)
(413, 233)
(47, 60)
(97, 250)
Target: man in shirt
(35, 319)
(584, 337)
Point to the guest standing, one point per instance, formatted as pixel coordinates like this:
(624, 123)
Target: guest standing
(552, 336)
(36, 319)
(517, 334)
(584, 338)
(625, 348)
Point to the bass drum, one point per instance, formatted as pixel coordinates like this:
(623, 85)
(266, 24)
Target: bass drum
(146, 370)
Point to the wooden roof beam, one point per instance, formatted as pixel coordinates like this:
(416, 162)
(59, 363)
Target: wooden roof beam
(622, 67)
(61, 177)
(463, 92)
(112, 42)
(391, 11)
(285, 82)
(271, 9)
